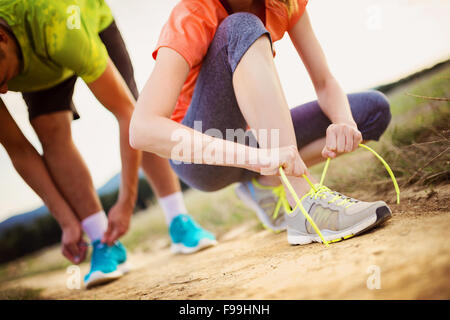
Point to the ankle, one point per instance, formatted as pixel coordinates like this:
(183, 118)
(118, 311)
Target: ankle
(173, 205)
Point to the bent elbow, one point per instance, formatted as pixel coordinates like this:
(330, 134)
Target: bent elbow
(139, 135)
(135, 135)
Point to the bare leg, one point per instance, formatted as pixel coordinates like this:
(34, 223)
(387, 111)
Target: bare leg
(262, 101)
(65, 163)
(160, 175)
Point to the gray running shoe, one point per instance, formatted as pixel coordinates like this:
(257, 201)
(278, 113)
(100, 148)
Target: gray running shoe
(269, 203)
(337, 216)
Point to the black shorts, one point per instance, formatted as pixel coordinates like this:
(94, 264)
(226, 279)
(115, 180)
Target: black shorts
(59, 97)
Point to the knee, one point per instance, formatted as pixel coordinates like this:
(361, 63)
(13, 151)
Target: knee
(242, 26)
(239, 31)
(241, 22)
(382, 106)
(381, 110)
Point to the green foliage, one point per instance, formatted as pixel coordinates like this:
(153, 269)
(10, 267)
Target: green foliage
(415, 144)
(20, 294)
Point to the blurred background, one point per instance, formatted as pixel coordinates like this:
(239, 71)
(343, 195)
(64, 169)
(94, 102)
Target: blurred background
(367, 43)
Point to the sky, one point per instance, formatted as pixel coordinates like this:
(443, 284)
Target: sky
(366, 42)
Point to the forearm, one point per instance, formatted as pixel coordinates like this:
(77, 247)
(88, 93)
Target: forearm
(31, 167)
(334, 102)
(131, 160)
(169, 139)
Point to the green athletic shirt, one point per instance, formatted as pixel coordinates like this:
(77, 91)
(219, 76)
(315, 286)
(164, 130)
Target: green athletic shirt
(58, 39)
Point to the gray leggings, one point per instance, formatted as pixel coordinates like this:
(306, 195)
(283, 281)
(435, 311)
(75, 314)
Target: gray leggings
(214, 103)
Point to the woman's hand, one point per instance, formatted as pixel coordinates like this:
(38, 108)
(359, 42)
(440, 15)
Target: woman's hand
(341, 137)
(269, 161)
(73, 246)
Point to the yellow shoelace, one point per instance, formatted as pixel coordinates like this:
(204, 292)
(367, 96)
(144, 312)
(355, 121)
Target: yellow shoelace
(279, 194)
(319, 189)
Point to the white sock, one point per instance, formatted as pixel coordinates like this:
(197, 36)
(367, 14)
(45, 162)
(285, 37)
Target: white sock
(173, 205)
(95, 225)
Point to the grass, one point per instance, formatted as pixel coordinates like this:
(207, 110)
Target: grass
(415, 146)
(218, 212)
(20, 294)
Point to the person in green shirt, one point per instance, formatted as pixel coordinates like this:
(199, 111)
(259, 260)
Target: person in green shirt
(44, 47)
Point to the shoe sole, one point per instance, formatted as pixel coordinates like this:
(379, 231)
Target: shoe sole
(251, 204)
(98, 278)
(203, 244)
(125, 267)
(382, 214)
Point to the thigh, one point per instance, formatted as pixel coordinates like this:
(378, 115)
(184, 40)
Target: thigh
(214, 104)
(53, 129)
(118, 53)
(370, 111)
(55, 99)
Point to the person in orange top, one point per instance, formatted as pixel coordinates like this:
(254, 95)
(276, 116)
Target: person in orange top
(191, 29)
(215, 77)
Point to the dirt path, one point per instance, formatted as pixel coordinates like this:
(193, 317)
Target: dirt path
(412, 251)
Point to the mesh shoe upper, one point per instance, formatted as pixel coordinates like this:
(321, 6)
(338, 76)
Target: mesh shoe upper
(272, 200)
(183, 229)
(330, 210)
(106, 258)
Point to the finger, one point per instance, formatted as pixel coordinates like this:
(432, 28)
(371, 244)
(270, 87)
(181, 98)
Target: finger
(289, 163)
(348, 142)
(82, 247)
(116, 234)
(357, 139)
(108, 232)
(75, 252)
(290, 168)
(296, 168)
(341, 142)
(331, 140)
(326, 153)
(303, 168)
(66, 253)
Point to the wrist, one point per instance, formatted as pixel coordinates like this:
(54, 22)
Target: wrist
(68, 223)
(63, 215)
(127, 200)
(349, 122)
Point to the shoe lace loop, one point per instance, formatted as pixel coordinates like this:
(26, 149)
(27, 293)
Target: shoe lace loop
(323, 192)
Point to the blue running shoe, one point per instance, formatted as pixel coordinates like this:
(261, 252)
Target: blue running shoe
(108, 263)
(187, 236)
